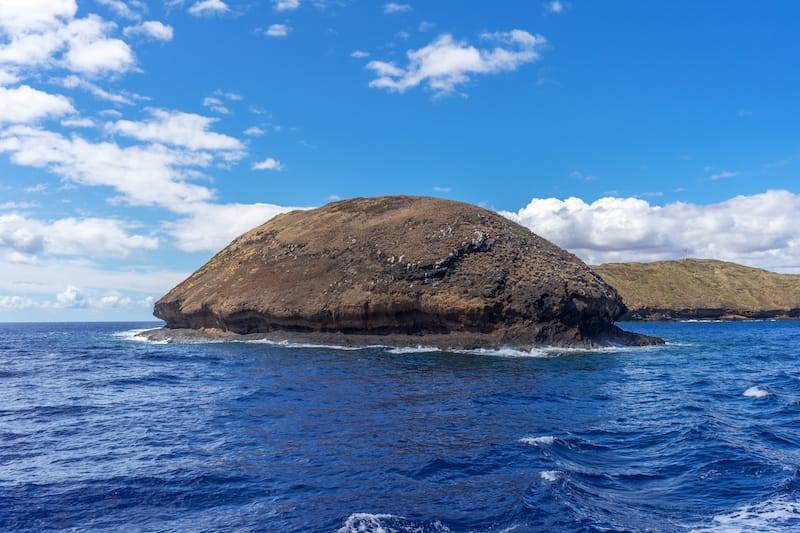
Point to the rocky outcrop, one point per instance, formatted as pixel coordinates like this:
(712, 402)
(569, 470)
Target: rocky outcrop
(703, 289)
(399, 270)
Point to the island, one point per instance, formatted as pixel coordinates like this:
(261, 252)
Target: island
(397, 271)
(702, 289)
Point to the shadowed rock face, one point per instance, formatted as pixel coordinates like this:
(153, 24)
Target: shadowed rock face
(399, 267)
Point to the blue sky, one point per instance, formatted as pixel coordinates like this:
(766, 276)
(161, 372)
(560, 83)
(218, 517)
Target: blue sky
(137, 138)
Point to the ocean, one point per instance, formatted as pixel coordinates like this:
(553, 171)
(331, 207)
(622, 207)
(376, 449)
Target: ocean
(102, 432)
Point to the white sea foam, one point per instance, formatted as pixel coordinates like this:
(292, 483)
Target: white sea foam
(134, 335)
(755, 392)
(774, 515)
(549, 475)
(387, 523)
(413, 349)
(305, 345)
(535, 441)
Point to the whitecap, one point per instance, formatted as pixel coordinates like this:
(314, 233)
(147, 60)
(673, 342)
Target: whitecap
(755, 392)
(773, 515)
(549, 475)
(387, 523)
(535, 441)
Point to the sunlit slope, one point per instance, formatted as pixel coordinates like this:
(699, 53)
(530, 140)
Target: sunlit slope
(702, 288)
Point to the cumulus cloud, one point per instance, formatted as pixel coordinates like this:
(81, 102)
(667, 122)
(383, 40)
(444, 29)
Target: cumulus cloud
(40, 35)
(393, 7)
(207, 8)
(758, 230)
(25, 104)
(178, 129)
(278, 30)
(88, 237)
(35, 15)
(446, 63)
(212, 226)
(143, 174)
(359, 54)
(268, 164)
(151, 29)
(91, 51)
(286, 5)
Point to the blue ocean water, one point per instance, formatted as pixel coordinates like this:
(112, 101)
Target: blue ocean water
(99, 432)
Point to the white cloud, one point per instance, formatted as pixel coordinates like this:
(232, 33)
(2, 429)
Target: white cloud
(758, 230)
(76, 82)
(212, 226)
(236, 97)
(123, 10)
(393, 7)
(216, 105)
(88, 237)
(77, 123)
(16, 302)
(37, 279)
(7, 77)
(360, 54)
(72, 297)
(35, 15)
(555, 7)
(254, 131)
(178, 129)
(46, 34)
(278, 30)
(18, 205)
(268, 164)
(25, 104)
(286, 5)
(152, 29)
(143, 175)
(724, 174)
(445, 63)
(90, 51)
(206, 8)
(438, 188)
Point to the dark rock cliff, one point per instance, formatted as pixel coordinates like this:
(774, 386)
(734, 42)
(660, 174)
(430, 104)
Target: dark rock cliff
(400, 267)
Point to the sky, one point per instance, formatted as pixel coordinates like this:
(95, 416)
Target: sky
(137, 138)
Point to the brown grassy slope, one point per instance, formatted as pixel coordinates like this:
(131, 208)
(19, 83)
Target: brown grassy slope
(701, 284)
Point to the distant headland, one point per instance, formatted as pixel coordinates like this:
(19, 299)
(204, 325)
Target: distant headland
(702, 289)
(399, 271)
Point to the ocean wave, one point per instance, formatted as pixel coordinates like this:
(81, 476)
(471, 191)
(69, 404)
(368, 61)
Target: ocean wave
(135, 336)
(535, 441)
(550, 475)
(387, 523)
(773, 515)
(755, 392)
(412, 349)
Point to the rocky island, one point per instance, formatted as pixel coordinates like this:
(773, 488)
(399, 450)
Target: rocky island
(703, 289)
(399, 271)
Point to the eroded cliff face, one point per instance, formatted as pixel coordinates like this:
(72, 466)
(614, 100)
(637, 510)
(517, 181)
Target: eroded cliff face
(399, 266)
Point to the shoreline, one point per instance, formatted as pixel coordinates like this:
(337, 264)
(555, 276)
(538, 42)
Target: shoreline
(440, 341)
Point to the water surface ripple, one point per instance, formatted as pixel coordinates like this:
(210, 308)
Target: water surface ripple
(99, 432)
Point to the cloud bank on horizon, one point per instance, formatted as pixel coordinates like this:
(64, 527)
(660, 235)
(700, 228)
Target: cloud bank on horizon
(131, 147)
